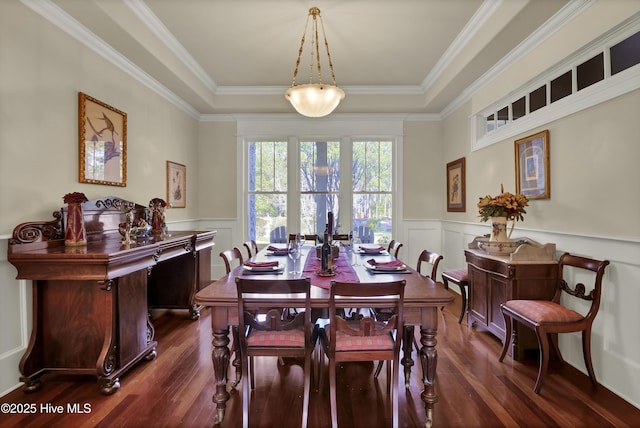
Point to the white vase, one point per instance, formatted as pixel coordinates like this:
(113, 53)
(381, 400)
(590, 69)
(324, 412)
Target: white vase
(499, 230)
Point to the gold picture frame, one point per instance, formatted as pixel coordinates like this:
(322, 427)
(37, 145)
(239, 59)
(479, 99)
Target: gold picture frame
(456, 186)
(102, 140)
(176, 185)
(532, 166)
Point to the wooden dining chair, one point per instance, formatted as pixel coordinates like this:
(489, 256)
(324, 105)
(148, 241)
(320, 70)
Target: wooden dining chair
(365, 339)
(271, 334)
(432, 259)
(230, 257)
(394, 248)
(547, 318)
(251, 247)
(312, 237)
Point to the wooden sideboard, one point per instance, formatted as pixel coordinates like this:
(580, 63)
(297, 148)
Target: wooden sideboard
(91, 303)
(496, 279)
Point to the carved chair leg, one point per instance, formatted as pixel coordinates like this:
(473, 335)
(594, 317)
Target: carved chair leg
(507, 335)
(543, 342)
(586, 351)
(463, 294)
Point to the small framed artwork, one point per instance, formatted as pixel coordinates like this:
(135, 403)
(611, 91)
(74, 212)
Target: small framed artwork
(102, 135)
(456, 186)
(532, 166)
(176, 185)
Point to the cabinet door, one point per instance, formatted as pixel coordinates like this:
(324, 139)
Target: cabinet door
(478, 293)
(499, 292)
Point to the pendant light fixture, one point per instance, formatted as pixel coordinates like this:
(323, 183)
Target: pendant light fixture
(314, 99)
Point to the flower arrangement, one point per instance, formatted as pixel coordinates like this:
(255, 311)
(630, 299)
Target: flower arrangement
(504, 205)
(74, 198)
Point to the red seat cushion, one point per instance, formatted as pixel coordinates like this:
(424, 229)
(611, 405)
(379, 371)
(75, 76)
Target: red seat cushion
(346, 342)
(456, 275)
(282, 338)
(542, 311)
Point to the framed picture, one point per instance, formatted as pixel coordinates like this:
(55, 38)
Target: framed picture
(176, 185)
(102, 135)
(456, 186)
(532, 166)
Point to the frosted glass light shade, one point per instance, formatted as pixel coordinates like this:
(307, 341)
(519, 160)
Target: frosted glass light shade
(314, 99)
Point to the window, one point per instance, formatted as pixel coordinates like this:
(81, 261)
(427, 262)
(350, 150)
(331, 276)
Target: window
(351, 178)
(597, 62)
(625, 54)
(319, 184)
(372, 189)
(590, 72)
(561, 87)
(267, 188)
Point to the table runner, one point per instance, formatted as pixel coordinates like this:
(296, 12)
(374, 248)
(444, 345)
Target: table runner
(344, 271)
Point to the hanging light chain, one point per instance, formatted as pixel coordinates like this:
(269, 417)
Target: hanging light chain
(295, 72)
(326, 44)
(314, 12)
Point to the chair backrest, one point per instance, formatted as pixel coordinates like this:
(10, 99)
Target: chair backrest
(579, 290)
(433, 259)
(343, 237)
(394, 248)
(252, 248)
(278, 235)
(367, 326)
(251, 306)
(229, 256)
(365, 234)
(309, 238)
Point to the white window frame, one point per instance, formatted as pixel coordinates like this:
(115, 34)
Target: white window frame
(335, 128)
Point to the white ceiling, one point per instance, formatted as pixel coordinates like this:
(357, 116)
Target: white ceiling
(238, 56)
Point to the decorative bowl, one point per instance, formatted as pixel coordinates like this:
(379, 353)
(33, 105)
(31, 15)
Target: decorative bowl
(499, 248)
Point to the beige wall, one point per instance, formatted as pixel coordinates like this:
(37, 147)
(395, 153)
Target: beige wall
(42, 69)
(218, 175)
(423, 174)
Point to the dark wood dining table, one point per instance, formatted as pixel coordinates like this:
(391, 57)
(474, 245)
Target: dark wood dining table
(422, 298)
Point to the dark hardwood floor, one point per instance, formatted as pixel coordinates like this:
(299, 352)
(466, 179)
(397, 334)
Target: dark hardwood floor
(475, 390)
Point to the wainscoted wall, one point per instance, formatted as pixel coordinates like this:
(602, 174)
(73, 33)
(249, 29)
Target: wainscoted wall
(616, 350)
(615, 346)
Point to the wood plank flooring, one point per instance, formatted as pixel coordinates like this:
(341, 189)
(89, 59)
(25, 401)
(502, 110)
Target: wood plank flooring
(475, 390)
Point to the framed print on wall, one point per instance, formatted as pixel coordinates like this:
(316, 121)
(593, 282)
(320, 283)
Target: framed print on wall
(176, 185)
(456, 186)
(532, 166)
(102, 135)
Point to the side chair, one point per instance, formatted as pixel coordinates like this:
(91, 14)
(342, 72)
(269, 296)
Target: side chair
(251, 247)
(365, 339)
(434, 260)
(394, 248)
(547, 318)
(230, 257)
(273, 335)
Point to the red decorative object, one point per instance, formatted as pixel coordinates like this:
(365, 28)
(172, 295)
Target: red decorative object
(75, 234)
(158, 220)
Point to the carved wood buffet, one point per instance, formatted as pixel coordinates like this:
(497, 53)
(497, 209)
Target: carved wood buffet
(91, 304)
(530, 273)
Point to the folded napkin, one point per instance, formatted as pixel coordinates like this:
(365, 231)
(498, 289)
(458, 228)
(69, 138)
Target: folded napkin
(277, 249)
(260, 264)
(394, 264)
(373, 250)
